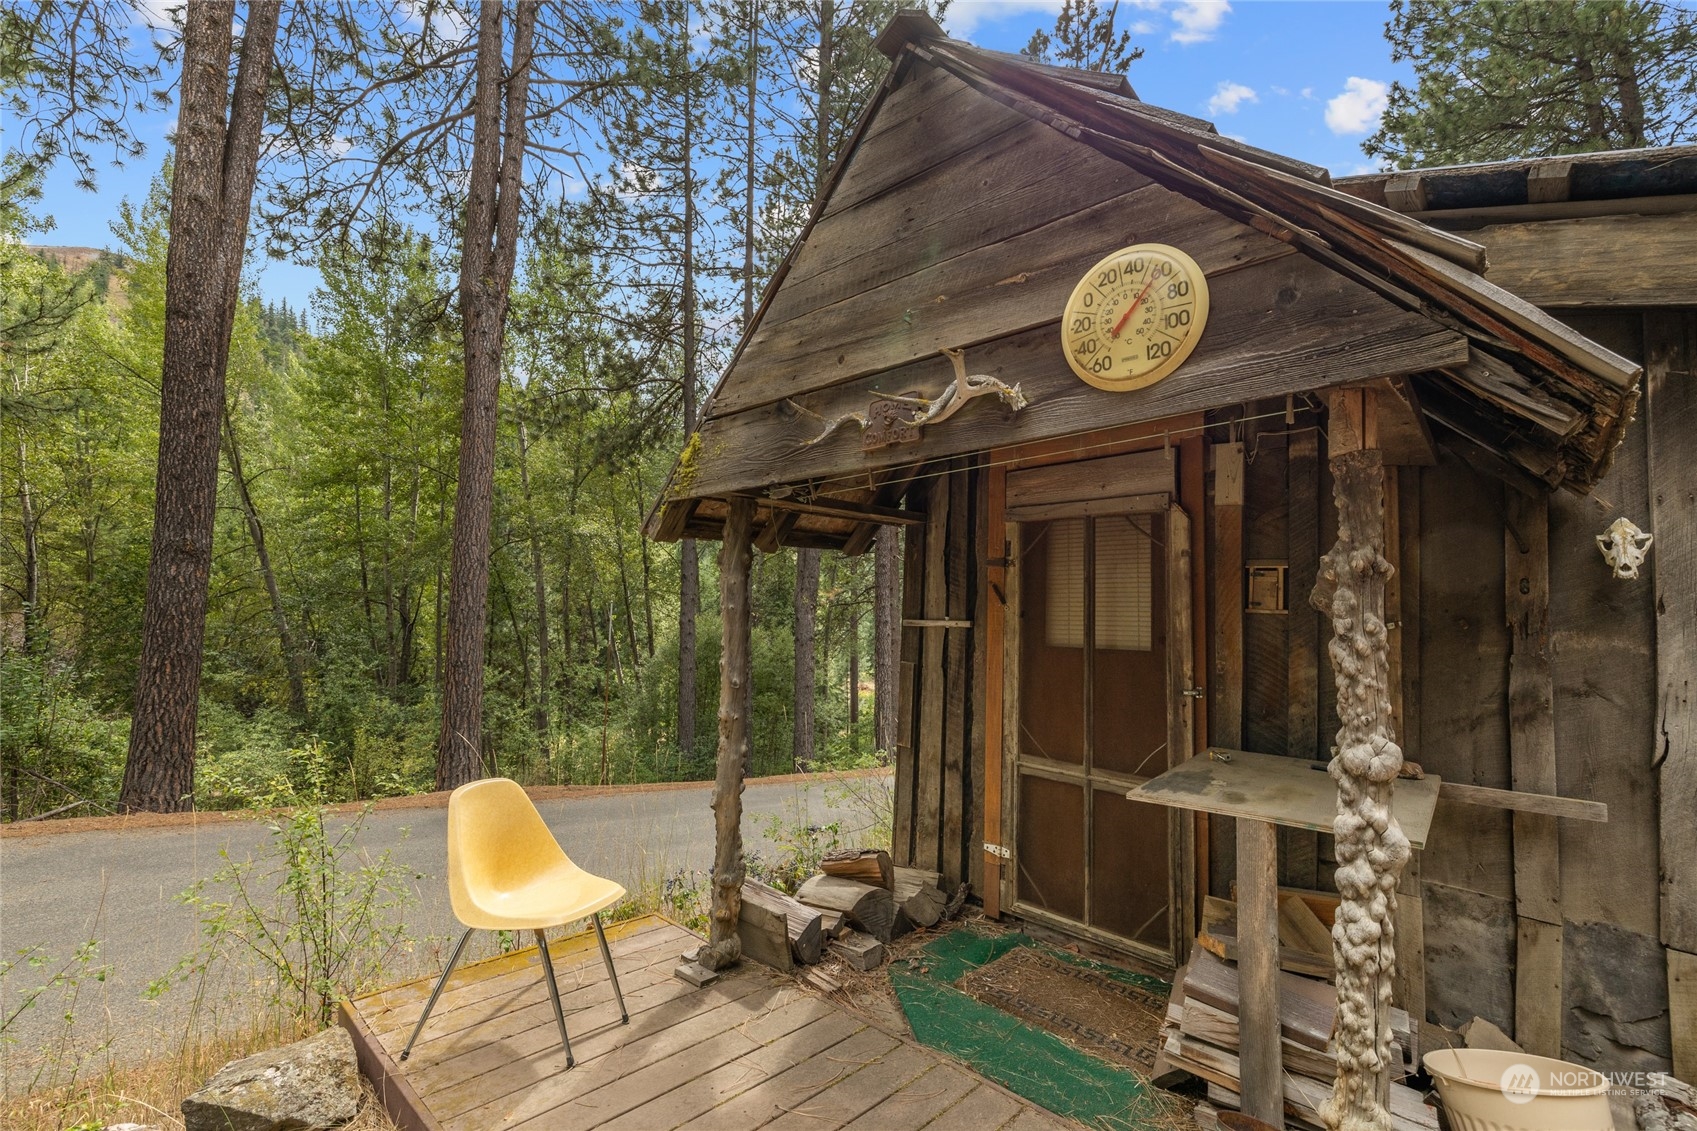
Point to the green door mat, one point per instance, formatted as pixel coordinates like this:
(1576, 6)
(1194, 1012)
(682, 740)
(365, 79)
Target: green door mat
(1011, 1042)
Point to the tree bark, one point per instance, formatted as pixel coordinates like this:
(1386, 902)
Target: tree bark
(1371, 847)
(539, 716)
(217, 156)
(689, 565)
(724, 947)
(886, 627)
(256, 532)
(487, 257)
(806, 637)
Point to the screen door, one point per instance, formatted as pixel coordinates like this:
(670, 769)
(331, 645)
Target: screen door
(1095, 607)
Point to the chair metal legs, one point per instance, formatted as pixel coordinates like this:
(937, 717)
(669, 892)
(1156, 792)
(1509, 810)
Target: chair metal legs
(612, 974)
(453, 960)
(553, 988)
(554, 993)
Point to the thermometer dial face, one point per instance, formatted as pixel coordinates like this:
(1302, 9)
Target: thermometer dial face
(1135, 317)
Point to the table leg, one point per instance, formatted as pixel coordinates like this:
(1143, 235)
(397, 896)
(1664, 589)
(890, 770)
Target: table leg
(1259, 1062)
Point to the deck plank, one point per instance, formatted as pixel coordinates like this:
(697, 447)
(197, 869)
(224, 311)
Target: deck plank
(647, 1074)
(519, 971)
(505, 1092)
(859, 1091)
(524, 1006)
(568, 951)
(917, 1104)
(770, 1100)
(986, 1108)
(752, 1050)
(680, 1106)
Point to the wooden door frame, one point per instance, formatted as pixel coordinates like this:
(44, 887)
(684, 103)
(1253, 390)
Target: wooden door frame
(1001, 664)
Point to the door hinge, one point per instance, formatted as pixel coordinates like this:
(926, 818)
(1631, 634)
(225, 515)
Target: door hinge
(998, 851)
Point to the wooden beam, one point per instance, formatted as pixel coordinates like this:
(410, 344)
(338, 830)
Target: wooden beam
(1226, 678)
(861, 540)
(1569, 808)
(1404, 435)
(1405, 192)
(1258, 971)
(1351, 336)
(1352, 423)
(995, 550)
(959, 560)
(1670, 344)
(1596, 261)
(1181, 720)
(928, 795)
(1547, 183)
(831, 508)
(907, 722)
(778, 526)
(1532, 763)
(724, 945)
(1682, 1012)
(1303, 669)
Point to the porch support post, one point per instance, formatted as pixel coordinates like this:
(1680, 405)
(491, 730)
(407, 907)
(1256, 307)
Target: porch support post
(724, 946)
(1371, 847)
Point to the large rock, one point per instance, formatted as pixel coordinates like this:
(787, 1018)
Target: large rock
(311, 1085)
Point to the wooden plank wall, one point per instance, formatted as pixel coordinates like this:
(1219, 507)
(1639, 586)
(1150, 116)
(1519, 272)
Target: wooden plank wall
(1567, 934)
(939, 783)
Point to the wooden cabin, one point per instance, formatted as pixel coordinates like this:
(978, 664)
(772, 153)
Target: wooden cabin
(1100, 583)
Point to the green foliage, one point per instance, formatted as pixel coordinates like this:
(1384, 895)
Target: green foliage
(1498, 79)
(1086, 36)
(317, 912)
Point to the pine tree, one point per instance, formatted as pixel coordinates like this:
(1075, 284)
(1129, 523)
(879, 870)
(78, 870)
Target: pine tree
(1497, 80)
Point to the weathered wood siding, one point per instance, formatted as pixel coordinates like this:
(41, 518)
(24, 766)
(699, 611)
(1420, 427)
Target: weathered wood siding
(1609, 952)
(940, 757)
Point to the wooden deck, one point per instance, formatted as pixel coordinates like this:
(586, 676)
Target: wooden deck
(753, 1050)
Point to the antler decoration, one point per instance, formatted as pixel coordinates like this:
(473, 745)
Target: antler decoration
(927, 411)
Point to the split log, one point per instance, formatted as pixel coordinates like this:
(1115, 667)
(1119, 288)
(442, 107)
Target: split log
(763, 929)
(917, 898)
(863, 952)
(804, 929)
(831, 924)
(867, 907)
(868, 866)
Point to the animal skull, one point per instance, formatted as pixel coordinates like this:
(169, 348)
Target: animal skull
(1625, 547)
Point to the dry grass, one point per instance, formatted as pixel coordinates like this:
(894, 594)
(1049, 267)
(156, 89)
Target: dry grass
(152, 1093)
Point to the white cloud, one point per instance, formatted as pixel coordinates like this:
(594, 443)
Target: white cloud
(1228, 96)
(1358, 108)
(1198, 20)
(964, 16)
(1308, 93)
(1359, 169)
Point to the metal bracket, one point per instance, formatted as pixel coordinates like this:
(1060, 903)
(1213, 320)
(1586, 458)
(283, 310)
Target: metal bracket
(1193, 693)
(998, 851)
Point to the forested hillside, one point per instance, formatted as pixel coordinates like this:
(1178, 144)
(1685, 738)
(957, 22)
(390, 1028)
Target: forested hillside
(330, 567)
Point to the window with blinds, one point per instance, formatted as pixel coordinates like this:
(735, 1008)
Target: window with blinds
(1124, 585)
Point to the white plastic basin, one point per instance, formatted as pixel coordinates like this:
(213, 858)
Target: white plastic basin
(1487, 1090)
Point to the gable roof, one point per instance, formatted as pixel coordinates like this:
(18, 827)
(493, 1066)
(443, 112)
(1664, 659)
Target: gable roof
(1522, 385)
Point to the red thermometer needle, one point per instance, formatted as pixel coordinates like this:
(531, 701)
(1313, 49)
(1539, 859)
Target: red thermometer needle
(1132, 309)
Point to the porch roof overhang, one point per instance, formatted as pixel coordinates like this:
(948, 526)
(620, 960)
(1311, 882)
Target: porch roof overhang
(1537, 399)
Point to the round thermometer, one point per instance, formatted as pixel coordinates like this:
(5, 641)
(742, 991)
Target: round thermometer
(1135, 317)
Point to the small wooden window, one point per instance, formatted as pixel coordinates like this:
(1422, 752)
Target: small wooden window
(1124, 584)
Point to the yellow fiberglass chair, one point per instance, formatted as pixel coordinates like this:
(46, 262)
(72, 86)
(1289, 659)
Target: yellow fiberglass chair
(506, 872)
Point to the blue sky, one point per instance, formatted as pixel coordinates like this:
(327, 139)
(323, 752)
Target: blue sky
(1306, 79)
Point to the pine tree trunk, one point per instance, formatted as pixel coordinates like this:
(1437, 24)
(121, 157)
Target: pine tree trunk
(217, 152)
(887, 629)
(539, 716)
(256, 531)
(486, 273)
(854, 682)
(32, 555)
(806, 638)
(689, 565)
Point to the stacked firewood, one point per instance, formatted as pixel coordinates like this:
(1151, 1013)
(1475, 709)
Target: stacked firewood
(1200, 1037)
(856, 904)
